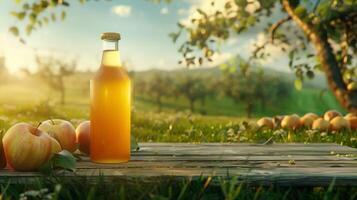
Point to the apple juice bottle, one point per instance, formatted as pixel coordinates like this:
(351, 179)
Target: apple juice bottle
(110, 106)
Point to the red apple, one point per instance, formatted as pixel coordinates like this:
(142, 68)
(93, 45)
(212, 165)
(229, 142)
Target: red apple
(329, 115)
(83, 136)
(353, 121)
(27, 148)
(350, 115)
(291, 122)
(307, 121)
(266, 122)
(277, 120)
(312, 115)
(338, 123)
(2, 153)
(320, 124)
(63, 131)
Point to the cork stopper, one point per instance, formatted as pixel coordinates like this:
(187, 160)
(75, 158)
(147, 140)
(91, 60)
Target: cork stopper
(111, 36)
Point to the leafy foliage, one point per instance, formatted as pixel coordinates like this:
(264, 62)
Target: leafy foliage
(336, 19)
(251, 87)
(158, 86)
(63, 160)
(193, 89)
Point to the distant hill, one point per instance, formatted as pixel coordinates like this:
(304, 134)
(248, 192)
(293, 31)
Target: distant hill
(318, 82)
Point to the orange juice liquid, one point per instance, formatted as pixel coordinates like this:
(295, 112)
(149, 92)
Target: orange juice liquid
(110, 111)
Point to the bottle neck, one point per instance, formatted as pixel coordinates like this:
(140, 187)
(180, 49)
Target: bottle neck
(111, 55)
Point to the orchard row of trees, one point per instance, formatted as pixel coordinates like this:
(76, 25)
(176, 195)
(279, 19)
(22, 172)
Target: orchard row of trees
(248, 87)
(251, 90)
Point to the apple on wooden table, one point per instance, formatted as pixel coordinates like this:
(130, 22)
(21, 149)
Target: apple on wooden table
(27, 147)
(83, 137)
(63, 131)
(2, 153)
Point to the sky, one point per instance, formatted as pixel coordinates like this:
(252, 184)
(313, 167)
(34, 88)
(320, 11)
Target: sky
(144, 27)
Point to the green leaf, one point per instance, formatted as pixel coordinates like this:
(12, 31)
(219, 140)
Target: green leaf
(298, 84)
(53, 17)
(21, 15)
(26, 6)
(251, 20)
(63, 15)
(33, 18)
(300, 11)
(29, 29)
(133, 144)
(200, 11)
(14, 30)
(241, 3)
(62, 160)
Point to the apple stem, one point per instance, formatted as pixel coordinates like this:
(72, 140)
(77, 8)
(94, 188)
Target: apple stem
(53, 122)
(38, 125)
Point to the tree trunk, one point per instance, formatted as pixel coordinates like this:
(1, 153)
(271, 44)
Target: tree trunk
(192, 106)
(332, 70)
(248, 110)
(62, 91)
(203, 101)
(159, 104)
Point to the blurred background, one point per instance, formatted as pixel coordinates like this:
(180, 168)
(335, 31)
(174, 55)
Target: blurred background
(49, 54)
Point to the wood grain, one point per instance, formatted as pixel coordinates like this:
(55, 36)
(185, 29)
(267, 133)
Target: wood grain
(281, 164)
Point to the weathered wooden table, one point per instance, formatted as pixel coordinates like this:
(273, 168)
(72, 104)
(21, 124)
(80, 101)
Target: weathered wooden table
(280, 164)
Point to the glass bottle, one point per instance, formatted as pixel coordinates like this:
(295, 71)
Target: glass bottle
(110, 106)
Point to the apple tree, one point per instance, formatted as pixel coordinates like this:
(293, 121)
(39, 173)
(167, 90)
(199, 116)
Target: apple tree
(53, 71)
(325, 30)
(193, 89)
(158, 87)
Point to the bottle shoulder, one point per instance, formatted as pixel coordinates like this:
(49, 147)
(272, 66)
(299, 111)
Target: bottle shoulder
(111, 73)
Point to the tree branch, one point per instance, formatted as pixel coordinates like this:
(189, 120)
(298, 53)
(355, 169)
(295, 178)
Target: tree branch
(275, 27)
(327, 59)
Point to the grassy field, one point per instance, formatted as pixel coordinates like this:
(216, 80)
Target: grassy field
(31, 101)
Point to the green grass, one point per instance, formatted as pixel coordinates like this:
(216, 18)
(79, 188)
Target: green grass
(200, 188)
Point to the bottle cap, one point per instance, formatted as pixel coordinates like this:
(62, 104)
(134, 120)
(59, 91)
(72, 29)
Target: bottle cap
(111, 36)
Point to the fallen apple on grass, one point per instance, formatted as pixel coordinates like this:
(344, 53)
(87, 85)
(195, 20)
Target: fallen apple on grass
(321, 125)
(307, 121)
(27, 148)
(329, 115)
(291, 122)
(63, 131)
(353, 121)
(311, 115)
(339, 123)
(265, 122)
(83, 136)
(350, 115)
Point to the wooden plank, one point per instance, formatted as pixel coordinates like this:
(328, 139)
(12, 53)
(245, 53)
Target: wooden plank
(282, 164)
(218, 164)
(242, 149)
(213, 158)
(283, 177)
